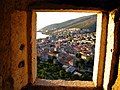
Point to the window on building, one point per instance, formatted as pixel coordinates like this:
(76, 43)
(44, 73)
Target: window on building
(65, 45)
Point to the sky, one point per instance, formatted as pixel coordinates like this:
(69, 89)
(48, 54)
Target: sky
(48, 18)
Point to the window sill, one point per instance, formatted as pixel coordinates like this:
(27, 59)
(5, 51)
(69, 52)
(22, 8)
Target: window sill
(63, 83)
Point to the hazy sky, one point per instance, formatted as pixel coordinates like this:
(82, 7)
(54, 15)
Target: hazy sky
(47, 18)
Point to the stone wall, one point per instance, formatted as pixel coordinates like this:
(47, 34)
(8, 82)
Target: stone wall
(16, 59)
(13, 62)
(19, 63)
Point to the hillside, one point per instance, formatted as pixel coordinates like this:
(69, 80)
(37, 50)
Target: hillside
(86, 22)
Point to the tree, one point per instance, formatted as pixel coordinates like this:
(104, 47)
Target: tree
(78, 55)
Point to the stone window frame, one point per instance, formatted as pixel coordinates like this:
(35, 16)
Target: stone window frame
(100, 50)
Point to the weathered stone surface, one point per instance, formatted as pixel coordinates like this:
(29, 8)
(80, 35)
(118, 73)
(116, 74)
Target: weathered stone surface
(14, 31)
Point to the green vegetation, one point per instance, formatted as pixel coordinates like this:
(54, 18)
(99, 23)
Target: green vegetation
(50, 71)
(89, 58)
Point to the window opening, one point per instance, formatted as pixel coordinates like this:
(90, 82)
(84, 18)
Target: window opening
(65, 45)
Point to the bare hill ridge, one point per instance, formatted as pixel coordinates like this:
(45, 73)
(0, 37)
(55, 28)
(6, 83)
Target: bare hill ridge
(85, 22)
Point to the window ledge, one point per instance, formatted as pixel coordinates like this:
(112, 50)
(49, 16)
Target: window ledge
(76, 83)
